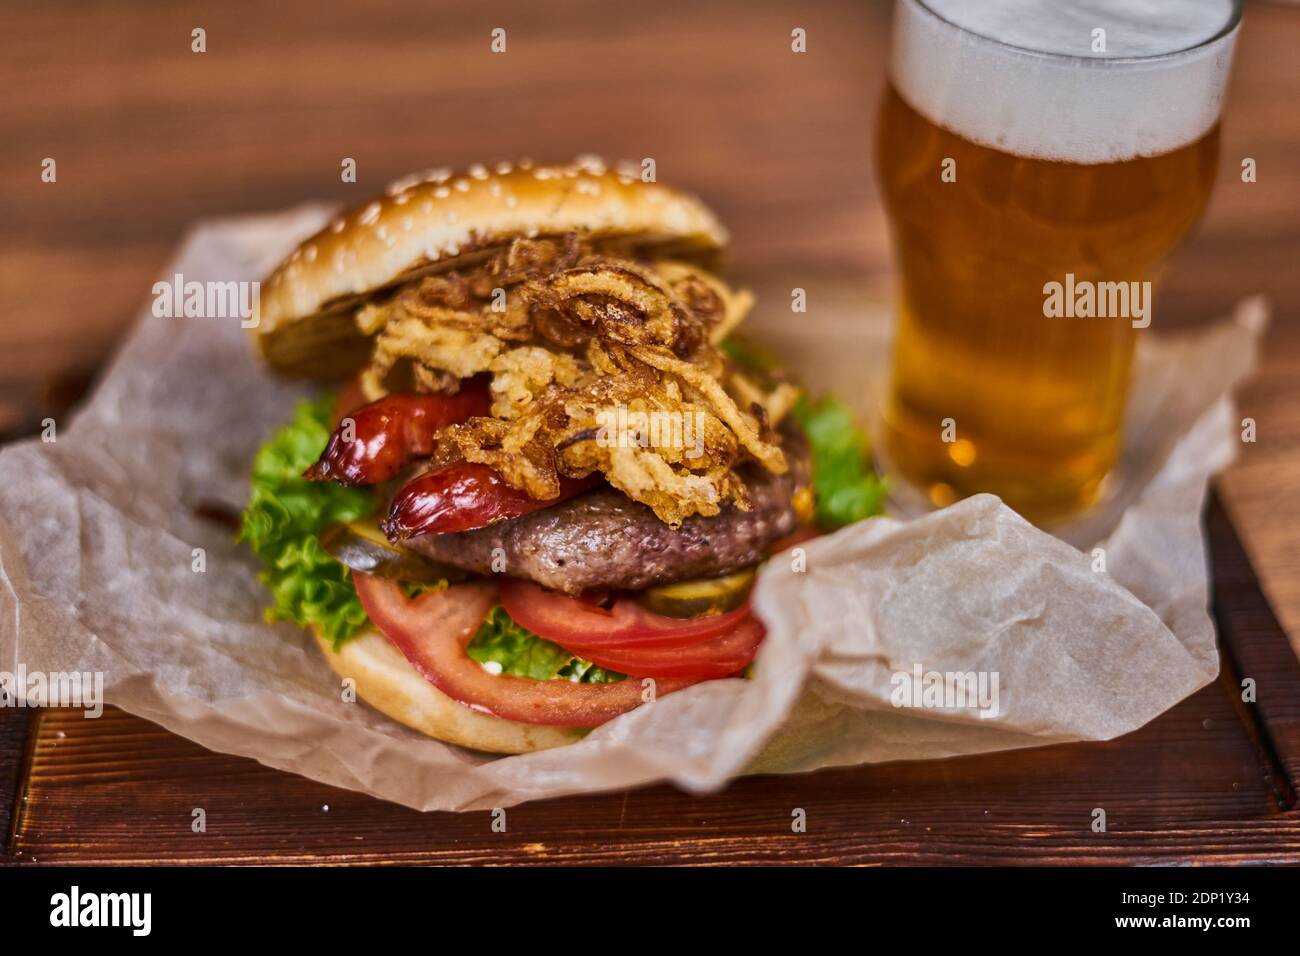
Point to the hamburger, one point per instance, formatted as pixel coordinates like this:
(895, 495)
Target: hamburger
(539, 494)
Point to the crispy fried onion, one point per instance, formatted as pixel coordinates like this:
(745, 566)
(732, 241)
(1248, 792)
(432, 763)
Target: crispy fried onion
(744, 427)
(598, 364)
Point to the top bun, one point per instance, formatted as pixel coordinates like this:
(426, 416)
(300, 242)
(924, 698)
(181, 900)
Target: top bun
(437, 220)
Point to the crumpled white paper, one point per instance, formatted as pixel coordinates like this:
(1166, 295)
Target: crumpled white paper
(97, 531)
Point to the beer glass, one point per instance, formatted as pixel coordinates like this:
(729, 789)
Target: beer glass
(1038, 161)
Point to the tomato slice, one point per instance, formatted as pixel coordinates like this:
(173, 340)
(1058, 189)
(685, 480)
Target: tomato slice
(385, 434)
(583, 627)
(720, 656)
(463, 497)
(432, 632)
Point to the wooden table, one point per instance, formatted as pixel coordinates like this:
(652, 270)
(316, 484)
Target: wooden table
(149, 136)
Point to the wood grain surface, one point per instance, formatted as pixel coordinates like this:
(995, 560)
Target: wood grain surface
(1186, 788)
(149, 137)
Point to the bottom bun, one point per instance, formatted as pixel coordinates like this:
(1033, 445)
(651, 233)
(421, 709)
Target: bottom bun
(387, 682)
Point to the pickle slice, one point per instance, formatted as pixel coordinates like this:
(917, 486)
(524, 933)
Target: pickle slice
(699, 596)
(362, 547)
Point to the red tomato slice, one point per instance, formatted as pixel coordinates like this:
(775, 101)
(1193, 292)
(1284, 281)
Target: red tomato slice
(582, 626)
(719, 656)
(432, 632)
(463, 497)
(387, 433)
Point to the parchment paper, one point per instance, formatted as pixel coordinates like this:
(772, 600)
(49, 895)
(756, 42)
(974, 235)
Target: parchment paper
(97, 530)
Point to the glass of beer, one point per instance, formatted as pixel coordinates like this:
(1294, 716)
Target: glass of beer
(1039, 160)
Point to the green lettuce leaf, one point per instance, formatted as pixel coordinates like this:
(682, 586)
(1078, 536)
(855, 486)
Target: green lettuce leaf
(846, 487)
(284, 514)
(747, 355)
(521, 653)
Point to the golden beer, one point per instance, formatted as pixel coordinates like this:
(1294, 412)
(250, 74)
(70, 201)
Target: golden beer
(992, 205)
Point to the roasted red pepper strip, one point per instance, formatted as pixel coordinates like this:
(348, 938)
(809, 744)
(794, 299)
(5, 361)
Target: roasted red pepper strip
(372, 443)
(463, 497)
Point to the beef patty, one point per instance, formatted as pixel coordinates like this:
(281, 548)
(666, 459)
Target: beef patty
(603, 540)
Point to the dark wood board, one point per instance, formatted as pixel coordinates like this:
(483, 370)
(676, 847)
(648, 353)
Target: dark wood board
(1211, 781)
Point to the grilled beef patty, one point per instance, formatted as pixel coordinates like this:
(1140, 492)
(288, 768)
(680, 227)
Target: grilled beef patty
(605, 541)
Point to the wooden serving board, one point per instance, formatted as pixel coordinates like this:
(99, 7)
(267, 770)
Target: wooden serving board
(1211, 781)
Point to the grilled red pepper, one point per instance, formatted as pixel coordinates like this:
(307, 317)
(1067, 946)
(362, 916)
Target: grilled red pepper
(372, 443)
(463, 497)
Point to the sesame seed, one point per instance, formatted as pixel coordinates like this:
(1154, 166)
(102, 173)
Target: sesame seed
(442, 192)
(371, 214)
(398, 186)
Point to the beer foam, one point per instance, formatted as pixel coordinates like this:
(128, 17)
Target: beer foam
(1022, 76)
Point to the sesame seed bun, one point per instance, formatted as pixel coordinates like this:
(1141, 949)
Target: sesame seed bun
(436, 221)
(387, 682)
